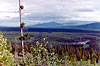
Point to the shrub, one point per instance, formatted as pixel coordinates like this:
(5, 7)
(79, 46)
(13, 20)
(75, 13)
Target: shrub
(6, 58)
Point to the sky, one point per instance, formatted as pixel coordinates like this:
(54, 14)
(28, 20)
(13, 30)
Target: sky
(43, 11)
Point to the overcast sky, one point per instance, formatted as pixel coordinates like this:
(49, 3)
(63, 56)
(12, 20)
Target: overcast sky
(39, 11)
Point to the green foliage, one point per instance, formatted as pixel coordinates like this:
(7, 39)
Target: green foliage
(25, 36)
(6, 58)
(28, 60)
(22, 25)
(21, 7)
(81, 63)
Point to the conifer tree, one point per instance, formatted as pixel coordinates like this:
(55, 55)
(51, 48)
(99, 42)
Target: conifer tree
(21, 25)
(22, 36)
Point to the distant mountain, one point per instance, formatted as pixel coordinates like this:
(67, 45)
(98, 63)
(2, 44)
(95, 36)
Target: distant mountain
(58, 25)
(73, 23)
(91, 26)
(83, 25)
(45, 25)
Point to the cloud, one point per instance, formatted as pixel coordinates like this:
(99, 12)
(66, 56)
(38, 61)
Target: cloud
(85, 10)
(39, 11)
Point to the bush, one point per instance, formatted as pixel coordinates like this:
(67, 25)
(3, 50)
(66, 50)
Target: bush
(6, 58)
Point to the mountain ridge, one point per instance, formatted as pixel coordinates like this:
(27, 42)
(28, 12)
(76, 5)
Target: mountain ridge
(89, 26)
(92, 26)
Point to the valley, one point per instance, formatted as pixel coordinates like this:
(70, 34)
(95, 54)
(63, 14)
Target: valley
(75, 39)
